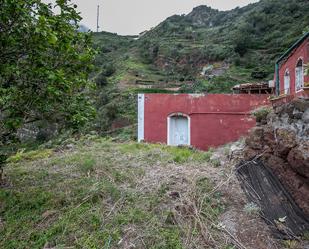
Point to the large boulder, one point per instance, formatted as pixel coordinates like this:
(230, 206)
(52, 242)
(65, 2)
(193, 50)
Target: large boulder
(298, 158)
(285, 140)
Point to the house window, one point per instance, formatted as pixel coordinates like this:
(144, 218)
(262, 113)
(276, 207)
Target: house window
(287, 82)
(299, 75)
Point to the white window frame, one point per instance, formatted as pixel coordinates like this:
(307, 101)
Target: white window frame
(299, 75)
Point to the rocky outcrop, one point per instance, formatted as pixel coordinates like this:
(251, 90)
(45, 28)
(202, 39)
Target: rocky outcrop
(283, 144)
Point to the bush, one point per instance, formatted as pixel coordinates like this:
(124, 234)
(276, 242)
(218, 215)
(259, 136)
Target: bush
(101, 80)
(258, 74)
(261, 113)
(108, 70)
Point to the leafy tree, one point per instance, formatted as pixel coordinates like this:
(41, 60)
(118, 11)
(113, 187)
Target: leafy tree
(44, 65)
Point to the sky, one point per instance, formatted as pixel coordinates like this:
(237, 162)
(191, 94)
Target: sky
(131, 17)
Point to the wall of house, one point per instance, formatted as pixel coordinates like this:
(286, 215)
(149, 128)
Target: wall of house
(215, 119)
(290, 64)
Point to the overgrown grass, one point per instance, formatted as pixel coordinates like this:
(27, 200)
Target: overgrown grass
(168, 153)
(21, 155)
(102, 195)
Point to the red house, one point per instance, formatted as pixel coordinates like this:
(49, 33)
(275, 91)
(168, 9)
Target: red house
(197, 120)
(208, 120)
(290, 75)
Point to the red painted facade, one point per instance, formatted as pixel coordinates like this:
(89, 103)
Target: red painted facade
(215, 119)
(289, 65)
(205, 121)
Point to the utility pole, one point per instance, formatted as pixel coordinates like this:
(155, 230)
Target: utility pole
(98, 17)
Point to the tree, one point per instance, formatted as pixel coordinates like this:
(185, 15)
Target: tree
(44, 65)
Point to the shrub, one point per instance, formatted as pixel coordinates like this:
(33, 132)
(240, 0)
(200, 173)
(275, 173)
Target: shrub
(101, 80)
(261, 113)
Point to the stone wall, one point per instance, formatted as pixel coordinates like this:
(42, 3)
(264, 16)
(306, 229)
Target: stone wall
(282, 140)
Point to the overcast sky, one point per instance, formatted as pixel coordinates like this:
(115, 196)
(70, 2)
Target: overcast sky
(130, 17)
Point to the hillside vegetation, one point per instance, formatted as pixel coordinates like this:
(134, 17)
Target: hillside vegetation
(205, 51)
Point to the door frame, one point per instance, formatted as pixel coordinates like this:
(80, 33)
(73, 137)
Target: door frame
(287, 75)
(178, 114)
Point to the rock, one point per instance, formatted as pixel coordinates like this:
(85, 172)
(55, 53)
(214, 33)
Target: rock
(285, 141)
(269, 137)
(48, 213)
(69, 147)
(236, 149)
(37, 131)
(174, 194)
(284, 145)
(277, 164)
(297, 114)
(300, 104)
(255, 138)
(305, 116)
(288, 110)
(298, 158)
(250, 153)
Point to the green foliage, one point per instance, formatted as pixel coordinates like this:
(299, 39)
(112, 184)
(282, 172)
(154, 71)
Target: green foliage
(261, 113)
(262, 30)
(101, 80)
(44, 65)
(31, 155)
(178, 155)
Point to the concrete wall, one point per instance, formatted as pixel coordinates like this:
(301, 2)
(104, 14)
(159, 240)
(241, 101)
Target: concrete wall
(290, 64)
(215, 119)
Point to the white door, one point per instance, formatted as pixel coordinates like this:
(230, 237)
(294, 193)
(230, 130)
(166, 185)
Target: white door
(178, 131)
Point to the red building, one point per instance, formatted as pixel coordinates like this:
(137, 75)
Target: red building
(204, 121)
(290, 75)
(201, 121)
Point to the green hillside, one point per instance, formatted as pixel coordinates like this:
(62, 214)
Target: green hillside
(205, 51)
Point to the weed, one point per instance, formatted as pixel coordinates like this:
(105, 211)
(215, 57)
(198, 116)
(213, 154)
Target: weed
(88, 164)
(31, 155)
(230, 247)
(261, 113)
(212, 204)
(215, 162)
(291, 244)
(252, 208)
(306, 236)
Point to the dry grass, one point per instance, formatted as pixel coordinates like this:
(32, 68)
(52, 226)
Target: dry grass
(100, 194)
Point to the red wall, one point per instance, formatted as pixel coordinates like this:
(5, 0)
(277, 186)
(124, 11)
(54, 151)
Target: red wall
(300, 52)
(216, 119)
